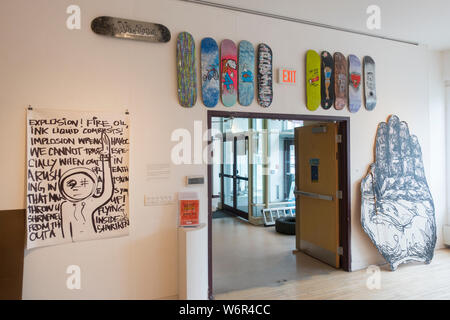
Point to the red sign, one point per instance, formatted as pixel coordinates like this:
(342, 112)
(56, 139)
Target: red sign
(287, 76)
(189, 212)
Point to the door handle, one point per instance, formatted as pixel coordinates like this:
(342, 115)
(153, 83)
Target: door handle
(314, 195)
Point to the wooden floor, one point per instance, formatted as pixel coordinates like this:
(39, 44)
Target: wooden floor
(302, 277)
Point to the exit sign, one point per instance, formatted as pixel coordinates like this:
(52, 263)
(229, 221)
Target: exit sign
(287, 76)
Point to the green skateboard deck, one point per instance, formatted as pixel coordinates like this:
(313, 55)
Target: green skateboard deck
(186, 71)
(313, 96)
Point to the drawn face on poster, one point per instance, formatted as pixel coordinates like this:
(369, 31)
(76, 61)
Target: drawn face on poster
(77, 177)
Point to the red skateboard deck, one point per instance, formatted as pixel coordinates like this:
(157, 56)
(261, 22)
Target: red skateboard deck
(228, 70)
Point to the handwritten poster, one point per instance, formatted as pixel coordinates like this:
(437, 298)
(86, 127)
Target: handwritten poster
(77, 176)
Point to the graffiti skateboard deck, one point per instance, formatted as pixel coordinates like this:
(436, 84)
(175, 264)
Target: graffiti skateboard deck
(210, 72)
(370, 91)
(340, 81)
(327, 84)
(228, 71)
(186, 71)
(312, 80)
(246, 72)
(265, 75)
(354, 83)
(130, 29)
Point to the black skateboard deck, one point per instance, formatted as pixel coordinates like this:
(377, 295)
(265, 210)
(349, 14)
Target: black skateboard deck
(130, 29)
(327, 87)
(265, 89)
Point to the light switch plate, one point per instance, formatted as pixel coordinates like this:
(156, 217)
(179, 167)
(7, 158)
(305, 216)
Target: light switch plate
(159, 200)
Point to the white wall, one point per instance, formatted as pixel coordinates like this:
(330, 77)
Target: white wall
(46, 65)
(446, 75)
(437, 173)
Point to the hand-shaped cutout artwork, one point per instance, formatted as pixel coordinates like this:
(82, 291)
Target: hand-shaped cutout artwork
(397, 210)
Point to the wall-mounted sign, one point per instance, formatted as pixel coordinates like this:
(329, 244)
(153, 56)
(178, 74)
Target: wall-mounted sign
(314, 163)
(287, 76)
(195, 180)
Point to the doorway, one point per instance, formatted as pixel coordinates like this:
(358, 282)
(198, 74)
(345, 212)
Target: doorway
(259, 188)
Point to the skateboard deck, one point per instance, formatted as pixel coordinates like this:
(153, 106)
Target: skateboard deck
(246, 72)
(340, 81)
(312, 80)
(327, 84)
(354, 83)
(370, 91)
(210, 72)
(130, 29)
(186, 71)
(265, 75)
(228, 70)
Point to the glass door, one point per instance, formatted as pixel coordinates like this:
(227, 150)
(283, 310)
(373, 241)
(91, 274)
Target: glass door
(241, 160)
(235, 175)
(228, 173)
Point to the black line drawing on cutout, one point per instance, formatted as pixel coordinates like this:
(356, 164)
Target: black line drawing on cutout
(397, 209)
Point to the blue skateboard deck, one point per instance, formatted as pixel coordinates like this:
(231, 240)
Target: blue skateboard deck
(354, 83)
(186, 70)
(265, 89)
(210, 72)
(246, 71)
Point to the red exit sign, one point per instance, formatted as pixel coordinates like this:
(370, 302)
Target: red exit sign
(287, 76)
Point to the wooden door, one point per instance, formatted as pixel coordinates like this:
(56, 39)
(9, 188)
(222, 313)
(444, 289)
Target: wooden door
(317, 223)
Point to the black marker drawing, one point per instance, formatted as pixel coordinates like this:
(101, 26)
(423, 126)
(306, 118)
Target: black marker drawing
(77, 176)
(397, 210)
(78, 186)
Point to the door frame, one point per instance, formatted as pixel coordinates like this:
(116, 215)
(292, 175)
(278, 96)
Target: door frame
(344, 178)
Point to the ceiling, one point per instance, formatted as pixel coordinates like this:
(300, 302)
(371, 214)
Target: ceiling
(425, 22)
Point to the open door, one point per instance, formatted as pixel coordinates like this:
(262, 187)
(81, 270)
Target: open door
(317, 223)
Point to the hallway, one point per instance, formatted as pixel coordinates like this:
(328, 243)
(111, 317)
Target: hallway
(247, 256)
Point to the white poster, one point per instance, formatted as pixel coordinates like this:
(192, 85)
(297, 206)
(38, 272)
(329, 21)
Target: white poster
(77, 176)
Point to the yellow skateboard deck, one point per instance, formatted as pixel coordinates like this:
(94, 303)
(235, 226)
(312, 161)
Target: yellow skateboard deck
(313, 96)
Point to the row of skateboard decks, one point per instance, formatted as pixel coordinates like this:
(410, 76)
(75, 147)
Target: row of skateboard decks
(332, 80)
(227, 73)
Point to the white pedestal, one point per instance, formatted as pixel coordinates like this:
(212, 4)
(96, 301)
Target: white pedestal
(193, 263)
